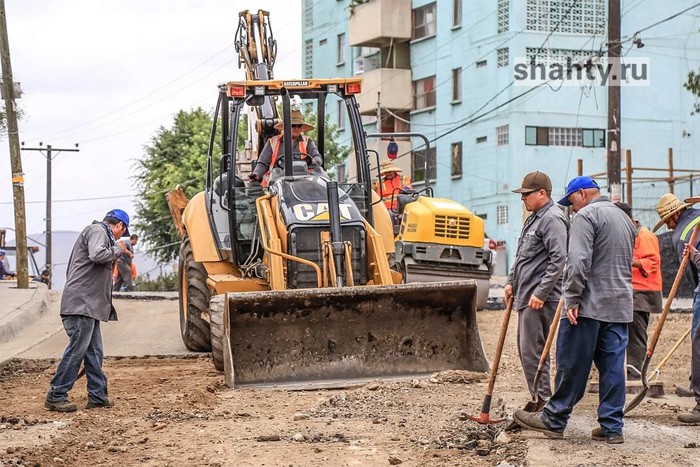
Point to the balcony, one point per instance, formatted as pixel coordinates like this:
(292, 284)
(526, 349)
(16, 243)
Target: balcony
(377, 22)
(395, 87)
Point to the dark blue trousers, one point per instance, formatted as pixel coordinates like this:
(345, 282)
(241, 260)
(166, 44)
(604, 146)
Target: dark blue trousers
(577, 348)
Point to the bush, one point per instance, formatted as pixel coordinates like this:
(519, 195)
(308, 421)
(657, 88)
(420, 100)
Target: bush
(165, 283)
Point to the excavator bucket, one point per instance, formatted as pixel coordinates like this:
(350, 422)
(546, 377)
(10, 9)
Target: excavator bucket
(337, 337)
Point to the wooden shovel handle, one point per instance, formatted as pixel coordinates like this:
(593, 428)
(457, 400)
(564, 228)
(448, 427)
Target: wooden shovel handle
(676, 282)
(552, 332)
(499, 347)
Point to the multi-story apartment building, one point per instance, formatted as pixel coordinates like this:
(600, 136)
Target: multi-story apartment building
(447, 69)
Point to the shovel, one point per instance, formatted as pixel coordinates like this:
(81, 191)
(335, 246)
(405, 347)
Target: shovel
(484, 417)
(537, 403)
(656, 371)
(657, 332)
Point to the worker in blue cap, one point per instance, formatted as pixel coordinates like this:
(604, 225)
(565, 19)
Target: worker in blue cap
(87, 300)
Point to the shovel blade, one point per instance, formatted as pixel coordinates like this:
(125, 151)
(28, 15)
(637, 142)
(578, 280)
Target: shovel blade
(531, 406)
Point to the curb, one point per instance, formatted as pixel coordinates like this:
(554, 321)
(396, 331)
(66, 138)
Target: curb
(26, 313)
(145, 295)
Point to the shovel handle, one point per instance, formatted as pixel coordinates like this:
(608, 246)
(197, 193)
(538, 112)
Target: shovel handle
(499, 349)
(553, 328)
(676, 282)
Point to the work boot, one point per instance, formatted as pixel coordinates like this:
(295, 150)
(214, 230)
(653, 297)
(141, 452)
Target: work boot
(100, 405)
(60, 406)
(691, 417)
(533, 421)
(684, 392)
(611, 438)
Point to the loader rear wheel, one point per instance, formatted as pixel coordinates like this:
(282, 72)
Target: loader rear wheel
(216, 322)
(194, 301)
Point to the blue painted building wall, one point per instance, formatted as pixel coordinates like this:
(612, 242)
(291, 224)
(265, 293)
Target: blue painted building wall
(654, 117)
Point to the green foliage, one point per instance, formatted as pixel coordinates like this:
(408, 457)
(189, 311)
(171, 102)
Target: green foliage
(693, 85)
(175, 155)
(165, 283)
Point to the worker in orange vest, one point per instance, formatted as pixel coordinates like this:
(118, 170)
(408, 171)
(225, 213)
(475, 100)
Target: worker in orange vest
(302, 147)
(391, 184)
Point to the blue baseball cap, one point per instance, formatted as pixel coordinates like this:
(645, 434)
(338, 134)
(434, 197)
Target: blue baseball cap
(121, 216)
(579, 183)
(2, 252)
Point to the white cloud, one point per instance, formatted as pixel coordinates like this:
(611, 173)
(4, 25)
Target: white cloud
(107, 75)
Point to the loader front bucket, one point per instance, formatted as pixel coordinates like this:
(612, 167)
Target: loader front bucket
(336, 337)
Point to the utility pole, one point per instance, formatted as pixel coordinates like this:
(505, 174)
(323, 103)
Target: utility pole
(614, 114)
(15, 158)
(49, 158)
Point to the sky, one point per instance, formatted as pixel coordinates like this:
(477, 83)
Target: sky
(108, 75)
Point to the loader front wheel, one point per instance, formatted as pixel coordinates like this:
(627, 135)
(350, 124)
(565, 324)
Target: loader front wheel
(216, 321)
(194, 301)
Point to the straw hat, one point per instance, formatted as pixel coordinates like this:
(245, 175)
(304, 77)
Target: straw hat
(388, 166)
(668, 205)
(297, 119)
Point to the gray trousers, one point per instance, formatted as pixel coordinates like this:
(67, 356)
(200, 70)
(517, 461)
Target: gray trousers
(533, 327)
(695, 368)
(637, 345)
(123, 277)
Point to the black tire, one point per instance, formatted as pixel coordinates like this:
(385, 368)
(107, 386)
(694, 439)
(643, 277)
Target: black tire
(194, 300)
(216, 323)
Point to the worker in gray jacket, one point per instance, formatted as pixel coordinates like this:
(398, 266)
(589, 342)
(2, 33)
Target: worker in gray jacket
(87, 300)
(597, 292)
(535, 278)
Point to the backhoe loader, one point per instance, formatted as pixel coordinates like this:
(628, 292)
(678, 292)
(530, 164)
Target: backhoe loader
(289, 284)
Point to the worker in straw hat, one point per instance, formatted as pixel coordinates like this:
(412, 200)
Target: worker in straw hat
(273, 152)
(391, 185)
(682, 218)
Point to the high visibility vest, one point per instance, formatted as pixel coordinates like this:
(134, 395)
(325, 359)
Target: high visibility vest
(390, 189)
(276, 142)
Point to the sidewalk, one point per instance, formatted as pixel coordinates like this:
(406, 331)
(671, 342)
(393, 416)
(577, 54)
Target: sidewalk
(25, 319)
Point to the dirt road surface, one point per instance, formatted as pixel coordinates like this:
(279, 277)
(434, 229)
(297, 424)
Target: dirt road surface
(175, 410)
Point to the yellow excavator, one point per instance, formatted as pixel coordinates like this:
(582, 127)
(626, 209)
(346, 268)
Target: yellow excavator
(289, 283)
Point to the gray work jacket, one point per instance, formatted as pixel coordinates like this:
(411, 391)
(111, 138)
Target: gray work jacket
(540, 257)
(598, 273)
(88, 289)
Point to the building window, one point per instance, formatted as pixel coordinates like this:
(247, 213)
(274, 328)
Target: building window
(456, 85)
(456, 13)
(502, 57)
(308, 14)
(581, 17)
(546, 56)
(502, 214)
(565, 136)
(593, 138)
(456, 160)
(424, 21)
(424, 93)
(503, 16)
(308, 58)
(481, 139)
(558, 136)
(418, 164)
(341, 115)
(502, 135)
(341, 49)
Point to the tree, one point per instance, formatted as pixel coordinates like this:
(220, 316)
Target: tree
(693, 85)
(176, 155)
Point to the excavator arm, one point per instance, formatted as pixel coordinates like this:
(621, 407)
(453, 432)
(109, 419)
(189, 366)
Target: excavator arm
(257, 52)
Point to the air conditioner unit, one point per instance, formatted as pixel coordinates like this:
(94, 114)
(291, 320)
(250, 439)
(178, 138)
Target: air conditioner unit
(359, 65)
